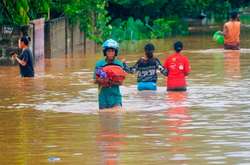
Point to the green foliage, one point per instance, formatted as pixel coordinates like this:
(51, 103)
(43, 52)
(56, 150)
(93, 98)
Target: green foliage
(137, 30)
(239, 3)
(20, 12)
(120, 19)
(169, 8)
(92, 16)
(101, 29)
(17, 13)
(39, 8)
(161, 28)
(129, 30)
(245, 19)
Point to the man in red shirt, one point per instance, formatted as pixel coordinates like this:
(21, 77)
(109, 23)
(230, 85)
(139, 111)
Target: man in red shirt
(178, 68)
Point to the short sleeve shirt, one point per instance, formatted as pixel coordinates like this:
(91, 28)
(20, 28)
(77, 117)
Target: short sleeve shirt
(28, 69)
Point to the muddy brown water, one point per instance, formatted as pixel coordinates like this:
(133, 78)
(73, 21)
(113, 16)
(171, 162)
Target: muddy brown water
(54, 119)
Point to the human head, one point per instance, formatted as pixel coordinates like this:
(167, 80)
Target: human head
(110, 48)
(234, 15)
(149, 50)
(178, 46)
(24, 41)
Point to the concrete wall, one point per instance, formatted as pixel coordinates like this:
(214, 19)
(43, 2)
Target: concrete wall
(55, 37)
(38, 38)
(63, 39)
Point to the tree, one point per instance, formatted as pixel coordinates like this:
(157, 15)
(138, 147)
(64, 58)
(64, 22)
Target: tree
(239, 3)
(92, 16)
(15, 12)
(169, 8)
(20, 12)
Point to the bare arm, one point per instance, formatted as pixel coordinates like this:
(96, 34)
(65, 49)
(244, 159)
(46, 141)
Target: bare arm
(132, 69)
(22, 62)
(225, 30)
(161, 68)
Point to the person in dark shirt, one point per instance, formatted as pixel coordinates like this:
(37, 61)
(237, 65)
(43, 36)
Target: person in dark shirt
(25, 59)
(147, 67)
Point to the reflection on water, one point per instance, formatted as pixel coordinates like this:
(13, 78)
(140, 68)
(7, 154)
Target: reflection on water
(54, 116)
(109, 140)
(177, 117)
(232, 64)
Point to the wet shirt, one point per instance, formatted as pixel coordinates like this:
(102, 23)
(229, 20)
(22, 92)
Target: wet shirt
(233, 32)
(101, 63)
(147, 69)
(178, 68)
(28, 69)
(108, 97)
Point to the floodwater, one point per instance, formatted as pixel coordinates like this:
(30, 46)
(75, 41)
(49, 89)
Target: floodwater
(54, 118)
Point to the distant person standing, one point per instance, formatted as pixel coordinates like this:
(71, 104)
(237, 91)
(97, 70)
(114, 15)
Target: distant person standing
(178, 68)
(25, 59)
(231, 32)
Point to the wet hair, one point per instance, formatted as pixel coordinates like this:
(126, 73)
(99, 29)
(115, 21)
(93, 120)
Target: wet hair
(234, 15)
(25, 39)
(149, 50)
(106, 49)
(178, 46)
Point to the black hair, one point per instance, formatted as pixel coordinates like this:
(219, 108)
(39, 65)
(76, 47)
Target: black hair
(106, 49)
(178, 46)
(234, 15)
(149, 50)
(25, 39)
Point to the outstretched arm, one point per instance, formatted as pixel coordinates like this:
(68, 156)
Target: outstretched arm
(161, 68)
(132, 69)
